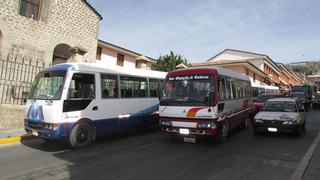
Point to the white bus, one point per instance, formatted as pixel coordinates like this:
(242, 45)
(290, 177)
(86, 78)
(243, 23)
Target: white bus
(205, 101)
(81, 100)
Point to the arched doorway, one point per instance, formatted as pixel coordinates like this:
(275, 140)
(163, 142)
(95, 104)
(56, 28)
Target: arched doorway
(61, 54)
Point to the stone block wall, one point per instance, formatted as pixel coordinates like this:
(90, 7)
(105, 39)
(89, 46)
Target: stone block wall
(11, 116)
(70, 22)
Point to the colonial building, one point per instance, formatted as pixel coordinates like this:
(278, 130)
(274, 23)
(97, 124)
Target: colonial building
(112, 55)
(35, 34)
(256, 75)
(51, 30)
(316, 79)
(261, 61)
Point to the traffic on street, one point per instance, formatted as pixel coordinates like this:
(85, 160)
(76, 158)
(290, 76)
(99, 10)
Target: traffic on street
(151, 154)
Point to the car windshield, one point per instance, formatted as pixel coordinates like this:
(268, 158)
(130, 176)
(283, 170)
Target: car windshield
(47, 85)
(263, 98)
(280, 106)
(187, 90)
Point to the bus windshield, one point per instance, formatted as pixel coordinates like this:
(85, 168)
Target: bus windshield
(189, 90)
(48, 86)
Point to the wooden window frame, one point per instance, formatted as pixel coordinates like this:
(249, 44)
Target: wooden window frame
(99, 52)
(39, 5)
(120, 59)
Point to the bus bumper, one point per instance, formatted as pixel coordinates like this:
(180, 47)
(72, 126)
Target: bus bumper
(47, 130)
(190, 131)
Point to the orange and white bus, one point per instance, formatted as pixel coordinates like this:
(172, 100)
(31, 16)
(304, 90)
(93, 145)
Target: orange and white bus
(205, 101)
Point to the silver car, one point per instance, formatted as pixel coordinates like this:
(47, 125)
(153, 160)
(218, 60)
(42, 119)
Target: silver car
(280, 115)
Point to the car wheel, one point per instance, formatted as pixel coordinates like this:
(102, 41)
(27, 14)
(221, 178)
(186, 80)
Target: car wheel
(223, 133)
(304, 125)
(298, 131)
(81, 135)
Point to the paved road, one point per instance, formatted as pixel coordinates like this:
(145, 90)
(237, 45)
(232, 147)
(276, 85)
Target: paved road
(152, 155)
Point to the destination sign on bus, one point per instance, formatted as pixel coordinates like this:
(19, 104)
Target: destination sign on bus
(189, 77)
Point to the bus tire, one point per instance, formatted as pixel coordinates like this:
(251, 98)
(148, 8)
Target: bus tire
(81, 135)
(223, 133)
(244, 124)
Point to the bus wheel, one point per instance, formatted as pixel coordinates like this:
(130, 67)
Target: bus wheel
(244, 124)
(81, 135)
(223, 133)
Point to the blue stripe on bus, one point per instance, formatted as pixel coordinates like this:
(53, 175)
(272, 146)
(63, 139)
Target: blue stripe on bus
(142, 118)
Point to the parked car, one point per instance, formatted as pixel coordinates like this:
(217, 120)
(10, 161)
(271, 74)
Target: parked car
(316, 101)
(280, 115)
(261, 99)
(301, 96)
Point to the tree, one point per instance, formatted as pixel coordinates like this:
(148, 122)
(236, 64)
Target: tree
(169, 62)
(305, 69)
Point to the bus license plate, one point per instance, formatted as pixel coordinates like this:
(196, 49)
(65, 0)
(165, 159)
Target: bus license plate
(34, 132)
(184, 131)
(272, 129)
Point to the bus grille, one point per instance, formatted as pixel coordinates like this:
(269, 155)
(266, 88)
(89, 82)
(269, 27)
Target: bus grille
(35, 125)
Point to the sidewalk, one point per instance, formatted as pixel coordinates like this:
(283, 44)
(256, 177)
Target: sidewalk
(16, 135)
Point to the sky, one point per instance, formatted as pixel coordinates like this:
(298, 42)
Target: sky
(285, 30)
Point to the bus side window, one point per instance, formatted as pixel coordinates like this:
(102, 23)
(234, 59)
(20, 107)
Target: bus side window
(222, 89)
(82, 86)
(154, 87)
(133, 87)
(109, 86)
(228, 88)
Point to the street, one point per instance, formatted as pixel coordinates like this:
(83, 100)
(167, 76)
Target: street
(153, 155)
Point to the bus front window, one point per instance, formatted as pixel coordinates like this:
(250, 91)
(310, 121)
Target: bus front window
(191, 90)
(47, 85)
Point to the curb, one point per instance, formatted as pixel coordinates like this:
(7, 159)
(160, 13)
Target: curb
(303, 165)
(17, 139)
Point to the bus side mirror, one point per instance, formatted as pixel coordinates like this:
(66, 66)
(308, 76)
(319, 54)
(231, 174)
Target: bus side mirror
(211, 98)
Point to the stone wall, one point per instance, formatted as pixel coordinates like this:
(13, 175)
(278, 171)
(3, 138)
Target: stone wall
(11, 116)
(70, 22)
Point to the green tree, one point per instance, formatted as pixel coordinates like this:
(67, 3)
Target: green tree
(305, 69)
(169, 62)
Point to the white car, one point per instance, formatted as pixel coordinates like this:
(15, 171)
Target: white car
(280, 115)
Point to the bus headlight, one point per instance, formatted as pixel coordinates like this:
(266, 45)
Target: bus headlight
(165, 123)
(206, 125)
(51, 126)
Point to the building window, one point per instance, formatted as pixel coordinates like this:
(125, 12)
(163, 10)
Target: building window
(99, 51)
(247, 72)
(254, 77)
(30, 8)
(120, 59)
